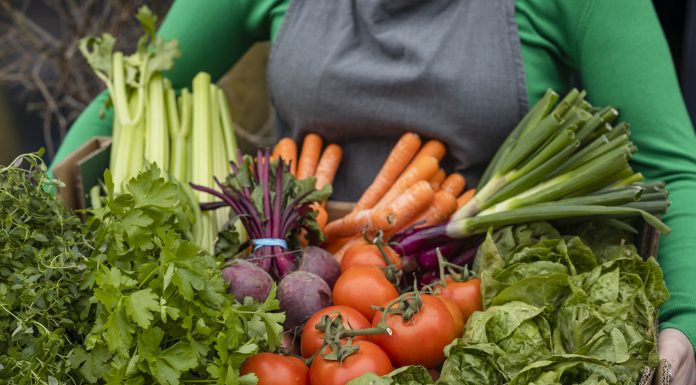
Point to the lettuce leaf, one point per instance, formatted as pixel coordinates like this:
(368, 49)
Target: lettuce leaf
(573, 307)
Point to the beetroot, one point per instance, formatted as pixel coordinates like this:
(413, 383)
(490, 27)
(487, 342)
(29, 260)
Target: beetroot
(247, 279)
(320, 262)
(301, 294)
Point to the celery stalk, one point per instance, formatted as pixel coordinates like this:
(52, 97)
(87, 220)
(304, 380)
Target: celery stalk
(118, 90)
(132, 137)
(202, 148)
(227, 126)
(179, 126)
(219, 154)
(157, 139)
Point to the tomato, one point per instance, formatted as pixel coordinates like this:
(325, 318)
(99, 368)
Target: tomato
(312, 339)
(368, 255)
(360, 287)
(466, 294)
(457, 318)
(276, 369)
(368, 359)
(422, 339)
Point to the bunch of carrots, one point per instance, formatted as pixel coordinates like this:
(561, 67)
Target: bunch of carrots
(410, 190)
(312, 162)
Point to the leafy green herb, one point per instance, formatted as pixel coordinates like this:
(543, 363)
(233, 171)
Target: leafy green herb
(162, 314)
(42, 262)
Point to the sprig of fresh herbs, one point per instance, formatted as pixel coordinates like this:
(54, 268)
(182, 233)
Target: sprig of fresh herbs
(42, 262)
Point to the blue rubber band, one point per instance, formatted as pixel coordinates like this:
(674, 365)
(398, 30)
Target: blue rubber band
(262, 242)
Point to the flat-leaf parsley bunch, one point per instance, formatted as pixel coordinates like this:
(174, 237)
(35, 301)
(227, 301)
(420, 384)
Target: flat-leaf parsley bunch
(162, 314)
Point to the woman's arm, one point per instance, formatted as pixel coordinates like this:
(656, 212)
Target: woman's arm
(212, 36)
(623, 59)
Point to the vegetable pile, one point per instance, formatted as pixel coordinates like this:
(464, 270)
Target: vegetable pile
(578, 308)
(125, 298)
(190, 137)
(561, 162)
(172, 277)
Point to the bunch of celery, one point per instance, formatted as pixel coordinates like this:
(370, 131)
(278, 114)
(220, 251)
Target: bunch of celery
(189, 136)
(562, 161)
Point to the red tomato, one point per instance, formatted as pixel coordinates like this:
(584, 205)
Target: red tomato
(457, 318)
(312, 339)
(368, 359)
(361, 287)
(466, 294)
(276, 369)
(368, 255)
(420, 340)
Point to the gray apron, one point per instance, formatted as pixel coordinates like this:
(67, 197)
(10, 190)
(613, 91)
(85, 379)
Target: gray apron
(360, 73)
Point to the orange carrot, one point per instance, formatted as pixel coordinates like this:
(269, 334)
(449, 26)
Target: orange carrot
(328, 165)
(466, 197)
(286, 149)
(352, 224)
(454, 184)
(338, 255)
(437, 179)
(309, 156)
(322, 215)
(335, 245)
(421, 169)
(434, 148)
(443, 206)
(403, 209)
(400, 156)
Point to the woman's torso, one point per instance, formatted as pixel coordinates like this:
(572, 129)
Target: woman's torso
(361, 73)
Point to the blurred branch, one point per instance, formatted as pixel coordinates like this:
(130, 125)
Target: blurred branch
(44, 63)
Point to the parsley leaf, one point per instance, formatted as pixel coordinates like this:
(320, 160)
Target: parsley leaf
(163, 314)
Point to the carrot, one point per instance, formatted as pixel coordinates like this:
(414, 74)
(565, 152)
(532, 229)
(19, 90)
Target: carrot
(400, 156)
(466, 197)
(443, 206)
(437, 179)
(328, 165)
(322, 215)
(434, 148)
(351, 224)
(403, 209)
(335, 245)
(286, 149)
(309, 156)
(453, 184)
(338, 255)
(421, 169)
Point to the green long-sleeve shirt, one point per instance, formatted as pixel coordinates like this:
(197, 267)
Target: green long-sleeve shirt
(616, 47)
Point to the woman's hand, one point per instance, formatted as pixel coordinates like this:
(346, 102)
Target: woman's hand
(676, 348)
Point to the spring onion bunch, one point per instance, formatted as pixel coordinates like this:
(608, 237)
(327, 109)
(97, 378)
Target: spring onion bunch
(189, 136)
(564, 160)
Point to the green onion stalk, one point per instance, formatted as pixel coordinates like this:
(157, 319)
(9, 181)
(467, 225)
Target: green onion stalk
(565, 160)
